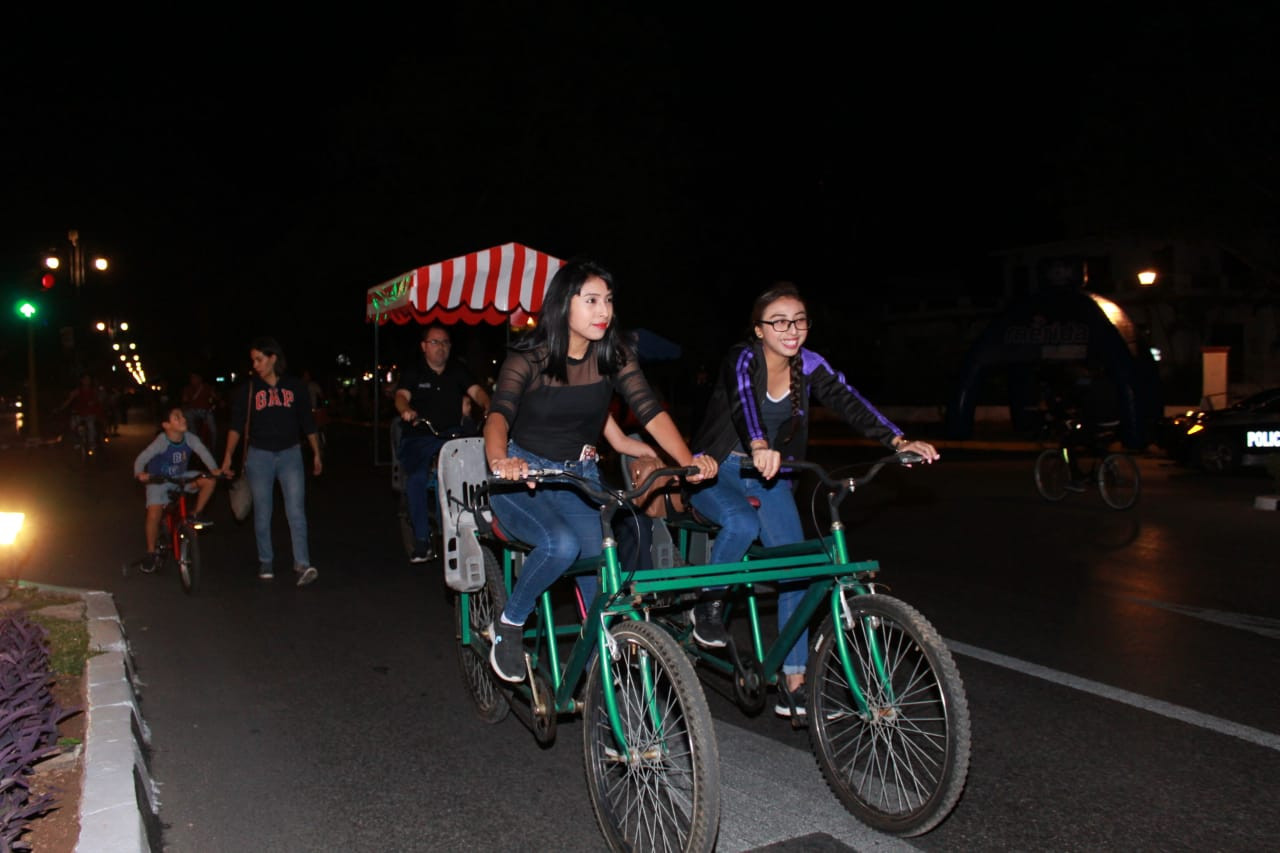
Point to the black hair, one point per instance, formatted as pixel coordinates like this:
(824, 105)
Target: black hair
(552, 331)
(440, 327)
(269, 346)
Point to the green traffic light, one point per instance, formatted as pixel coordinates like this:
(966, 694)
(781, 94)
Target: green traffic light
(27, 309)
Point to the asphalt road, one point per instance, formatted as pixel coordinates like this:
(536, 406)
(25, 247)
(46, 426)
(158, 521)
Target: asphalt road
(1120, 670)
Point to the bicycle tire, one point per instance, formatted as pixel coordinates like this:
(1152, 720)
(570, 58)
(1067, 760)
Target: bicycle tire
(1052, 475)
(664, 794)
(1119, 480)
(900, 768)
(189, 561)
(483, 607)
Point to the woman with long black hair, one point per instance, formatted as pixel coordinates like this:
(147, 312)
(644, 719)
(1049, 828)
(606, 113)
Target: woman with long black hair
(550, 406)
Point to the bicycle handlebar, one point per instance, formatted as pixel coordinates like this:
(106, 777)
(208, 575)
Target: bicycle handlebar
(602, 495)
(192, 476)
(619, 497)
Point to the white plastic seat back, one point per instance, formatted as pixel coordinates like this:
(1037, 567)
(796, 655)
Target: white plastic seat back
(461, 474)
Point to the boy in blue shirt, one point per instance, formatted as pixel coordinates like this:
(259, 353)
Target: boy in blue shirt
(168, 456)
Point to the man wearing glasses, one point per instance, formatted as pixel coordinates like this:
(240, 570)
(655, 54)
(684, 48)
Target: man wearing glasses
(437, 400)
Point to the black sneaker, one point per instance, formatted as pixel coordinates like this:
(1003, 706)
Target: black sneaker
(421, 551)
(264, 572)
(150, 563)
(790, 703)
(506, 655)
(708, 625)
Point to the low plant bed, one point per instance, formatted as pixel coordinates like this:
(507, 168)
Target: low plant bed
(44, 643)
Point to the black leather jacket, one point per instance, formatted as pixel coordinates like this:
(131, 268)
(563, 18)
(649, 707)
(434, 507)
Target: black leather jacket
(733, 417)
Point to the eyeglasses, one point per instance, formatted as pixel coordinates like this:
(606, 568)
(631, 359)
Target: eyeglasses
(445, 344)
(801, 324)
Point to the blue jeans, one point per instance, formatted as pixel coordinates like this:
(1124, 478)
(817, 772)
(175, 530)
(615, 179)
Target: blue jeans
(417, 457)
(558, 522)
(776, 522)
(263, 468)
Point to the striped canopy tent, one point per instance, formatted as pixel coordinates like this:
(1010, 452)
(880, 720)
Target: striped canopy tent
(503, 284)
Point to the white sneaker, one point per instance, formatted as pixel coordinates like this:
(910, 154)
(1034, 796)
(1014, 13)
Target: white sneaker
(306, 574)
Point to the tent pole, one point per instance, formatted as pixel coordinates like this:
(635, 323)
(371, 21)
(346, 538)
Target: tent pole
(377, 391)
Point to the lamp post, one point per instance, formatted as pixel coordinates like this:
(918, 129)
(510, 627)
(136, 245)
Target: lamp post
(28, 310)
(75, 262)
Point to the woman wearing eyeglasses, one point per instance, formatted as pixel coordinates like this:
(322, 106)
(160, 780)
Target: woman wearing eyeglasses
(758, 417)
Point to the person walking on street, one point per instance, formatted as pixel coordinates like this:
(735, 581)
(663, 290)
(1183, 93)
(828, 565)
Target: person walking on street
(278, 409)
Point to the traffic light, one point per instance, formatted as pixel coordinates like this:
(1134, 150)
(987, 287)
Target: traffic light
(47, 281)
(27, 309)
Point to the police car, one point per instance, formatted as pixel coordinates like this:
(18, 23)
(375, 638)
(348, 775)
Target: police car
(1244, 434)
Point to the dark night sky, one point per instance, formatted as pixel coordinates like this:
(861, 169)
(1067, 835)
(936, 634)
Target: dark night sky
(248, 178)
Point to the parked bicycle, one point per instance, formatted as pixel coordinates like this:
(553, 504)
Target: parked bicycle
(179, 540)
(1082, 459)
(889, 716)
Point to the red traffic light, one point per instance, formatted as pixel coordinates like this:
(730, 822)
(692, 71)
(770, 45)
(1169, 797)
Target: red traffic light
(47, 280)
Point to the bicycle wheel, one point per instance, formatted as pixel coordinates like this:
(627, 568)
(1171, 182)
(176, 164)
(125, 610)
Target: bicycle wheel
(1052, 475)
(483, 606)
(1119, 480)
(900, 766)
(189, 561)
(663, 793)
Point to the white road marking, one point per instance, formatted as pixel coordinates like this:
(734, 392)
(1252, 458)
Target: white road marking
(1263, 625)
(1106, 691)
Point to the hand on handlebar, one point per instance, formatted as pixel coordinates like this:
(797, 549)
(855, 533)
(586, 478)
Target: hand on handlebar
(706, 466)
(767, 462)
(926, 452)
(511, 468)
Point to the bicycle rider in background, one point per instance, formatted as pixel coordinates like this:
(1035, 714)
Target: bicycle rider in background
(198, 401)
(87, 407)
(447, 396)
(1090, 399)
(169, 455)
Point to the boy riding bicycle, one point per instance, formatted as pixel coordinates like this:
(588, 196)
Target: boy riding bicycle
(169, 456)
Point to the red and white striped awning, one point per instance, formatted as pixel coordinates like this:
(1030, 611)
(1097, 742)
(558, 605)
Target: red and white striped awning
(488, 286)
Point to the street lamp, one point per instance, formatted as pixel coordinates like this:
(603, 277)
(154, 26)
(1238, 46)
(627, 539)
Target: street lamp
(1146, 278)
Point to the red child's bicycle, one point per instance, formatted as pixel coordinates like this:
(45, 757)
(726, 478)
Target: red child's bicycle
(179, 540)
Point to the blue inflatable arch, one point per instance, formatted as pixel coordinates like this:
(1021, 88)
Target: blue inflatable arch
(1061, 327)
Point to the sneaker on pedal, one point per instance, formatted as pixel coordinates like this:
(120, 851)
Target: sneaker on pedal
(264, 572)
(708, 625)
(306, 574)
(150, 563)
(790, 703)
(421, 551)
(506, 655)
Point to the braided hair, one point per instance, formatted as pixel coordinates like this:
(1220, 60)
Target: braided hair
(784, 290)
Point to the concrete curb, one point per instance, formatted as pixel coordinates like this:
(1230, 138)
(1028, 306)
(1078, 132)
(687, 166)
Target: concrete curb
(119, 797)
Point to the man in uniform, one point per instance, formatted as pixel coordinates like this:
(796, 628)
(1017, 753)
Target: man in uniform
(445, 396)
